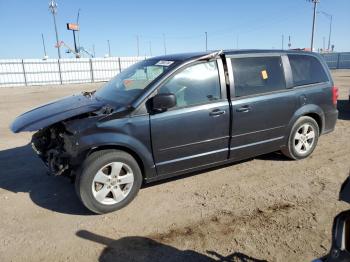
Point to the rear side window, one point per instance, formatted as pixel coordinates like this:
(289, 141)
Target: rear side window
(257, 75)
(306, 70)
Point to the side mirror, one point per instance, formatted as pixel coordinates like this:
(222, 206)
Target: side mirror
(340, 250)
(344, 194)
(162, 102)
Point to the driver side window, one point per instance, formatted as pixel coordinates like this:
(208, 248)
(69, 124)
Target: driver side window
(194, 85)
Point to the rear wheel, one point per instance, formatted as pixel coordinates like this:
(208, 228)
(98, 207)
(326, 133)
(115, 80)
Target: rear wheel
(108, 181)
(302, 139)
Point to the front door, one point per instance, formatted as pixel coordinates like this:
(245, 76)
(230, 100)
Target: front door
(196, 132)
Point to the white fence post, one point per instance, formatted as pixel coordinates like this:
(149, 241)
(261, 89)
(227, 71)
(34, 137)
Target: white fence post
(91, 71)
(119, 64)
(59, 70)
(24, 73)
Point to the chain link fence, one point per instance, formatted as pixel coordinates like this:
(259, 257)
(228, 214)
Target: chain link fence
(337, 60)
(26, 72)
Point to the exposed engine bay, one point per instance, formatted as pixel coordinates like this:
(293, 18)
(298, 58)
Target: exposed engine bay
(52, 144)
(56, 144)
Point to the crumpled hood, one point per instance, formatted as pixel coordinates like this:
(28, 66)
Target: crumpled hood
(56, 111)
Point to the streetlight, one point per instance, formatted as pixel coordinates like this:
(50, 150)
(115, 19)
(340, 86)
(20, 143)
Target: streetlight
(315, 2)
(42, 38)
(53, 9)
(206, 41)
(109, 48)
(330, 17)
(138, 45)
(150, 48)
(164, 44)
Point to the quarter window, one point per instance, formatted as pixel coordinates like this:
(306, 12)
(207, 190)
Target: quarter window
(257, 75)
(194, 85)
(306, 70)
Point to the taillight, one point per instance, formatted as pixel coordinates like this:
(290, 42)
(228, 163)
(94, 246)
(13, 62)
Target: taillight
(335, 95)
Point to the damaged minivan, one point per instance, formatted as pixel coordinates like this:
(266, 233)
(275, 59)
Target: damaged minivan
(175, 114)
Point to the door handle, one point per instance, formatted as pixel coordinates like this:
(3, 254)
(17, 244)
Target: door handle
(217, 112)
(243, 109)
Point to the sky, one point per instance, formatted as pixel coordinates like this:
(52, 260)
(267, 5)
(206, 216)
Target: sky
(229, 24)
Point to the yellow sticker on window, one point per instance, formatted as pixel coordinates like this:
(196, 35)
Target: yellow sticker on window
(264, 74)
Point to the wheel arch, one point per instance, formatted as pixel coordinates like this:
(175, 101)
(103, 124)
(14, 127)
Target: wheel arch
(140, 150)
(318, 120)
(310, 110)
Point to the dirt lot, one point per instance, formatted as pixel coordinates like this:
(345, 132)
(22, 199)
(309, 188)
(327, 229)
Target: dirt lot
(267, 208)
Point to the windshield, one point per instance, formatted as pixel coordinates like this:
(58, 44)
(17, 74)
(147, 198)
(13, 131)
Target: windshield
(130, 83)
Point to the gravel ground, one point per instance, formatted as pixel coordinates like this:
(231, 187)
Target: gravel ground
(263, 209)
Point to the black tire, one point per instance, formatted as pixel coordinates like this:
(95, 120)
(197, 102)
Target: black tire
(290, 149)
(85, 177)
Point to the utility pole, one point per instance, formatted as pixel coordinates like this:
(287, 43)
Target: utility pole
(324, 43)
(282, 42)
(150, 48)
(330, 32)
(138, 45)
(164, 44)
(78, 34)
(93, 50)
(237, 38)
(206, 41)
(109, 48)
(53, 9)
(75, 44)
(42, 37)
(289, 43)
(315, 2)
(330, 17)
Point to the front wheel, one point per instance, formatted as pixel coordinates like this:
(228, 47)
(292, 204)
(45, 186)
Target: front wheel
(302, 139)
(108, 181)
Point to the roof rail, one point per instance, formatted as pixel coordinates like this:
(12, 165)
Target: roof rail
(210, 55)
